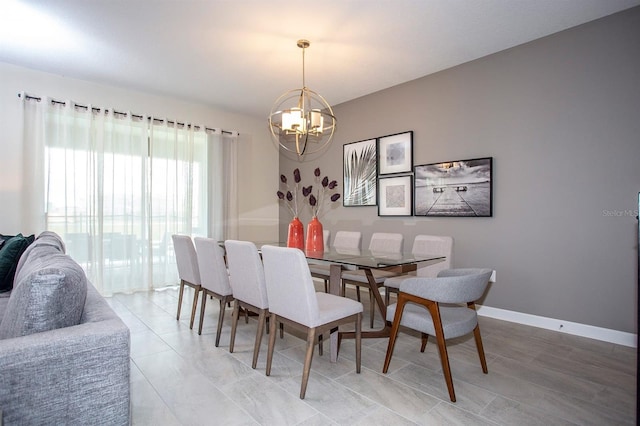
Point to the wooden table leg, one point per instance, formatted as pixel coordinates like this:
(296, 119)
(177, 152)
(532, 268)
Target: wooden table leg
(383, 332)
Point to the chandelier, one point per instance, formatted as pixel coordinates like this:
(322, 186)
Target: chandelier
(301, 121)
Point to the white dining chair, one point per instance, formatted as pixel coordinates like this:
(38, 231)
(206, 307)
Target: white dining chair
(424, 245)
(214, 279)
(346, 240)
(443, 307)
(188, 271)
(249, 288)
(381, 243)
(326, 234)
(294, 301)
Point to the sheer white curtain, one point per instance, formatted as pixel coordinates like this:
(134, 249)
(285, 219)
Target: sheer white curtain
(89, 175)
(116, 187)
(33, 124)
(178, 191)
(223, 185)
(116, 215)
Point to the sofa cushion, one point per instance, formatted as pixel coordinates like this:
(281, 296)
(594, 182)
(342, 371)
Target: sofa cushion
(48, 298)
(3, 303)
(33, 257)
(10, 253)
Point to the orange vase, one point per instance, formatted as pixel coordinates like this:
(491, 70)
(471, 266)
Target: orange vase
(296, 234)
(315, 236)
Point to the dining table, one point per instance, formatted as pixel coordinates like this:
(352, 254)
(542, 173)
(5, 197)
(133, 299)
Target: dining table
(368, 261)
(341, 259)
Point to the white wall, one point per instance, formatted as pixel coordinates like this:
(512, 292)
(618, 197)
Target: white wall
(258, 160)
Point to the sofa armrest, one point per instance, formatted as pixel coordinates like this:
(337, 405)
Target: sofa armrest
(72, 375)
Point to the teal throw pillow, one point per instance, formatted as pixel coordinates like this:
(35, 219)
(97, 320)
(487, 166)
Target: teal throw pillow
(10, 253)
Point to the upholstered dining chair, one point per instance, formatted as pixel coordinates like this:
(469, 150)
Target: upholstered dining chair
(443, 307)
(424, 245)
(381, 243)
(249, 288)
(346, 240)
(214, 279)
(294, 301)
(188, 271)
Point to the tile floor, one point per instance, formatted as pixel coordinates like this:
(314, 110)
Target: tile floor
(536, 377)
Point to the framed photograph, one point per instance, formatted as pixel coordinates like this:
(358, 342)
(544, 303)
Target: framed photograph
(360, 173)
(395, 196)
(454, 188)
(395, 153)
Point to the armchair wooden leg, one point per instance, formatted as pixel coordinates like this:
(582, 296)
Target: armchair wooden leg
(311, 342)
(442, 347)
(478, 339)
(234, 325)
(483, 360)
(424, 338)
(272, 341)
(394, 331)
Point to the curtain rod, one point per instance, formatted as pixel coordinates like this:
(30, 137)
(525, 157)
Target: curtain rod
(96, 109)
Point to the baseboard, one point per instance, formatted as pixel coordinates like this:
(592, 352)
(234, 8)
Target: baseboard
(592, 332)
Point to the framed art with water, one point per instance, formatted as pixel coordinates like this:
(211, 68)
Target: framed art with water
(461, 188)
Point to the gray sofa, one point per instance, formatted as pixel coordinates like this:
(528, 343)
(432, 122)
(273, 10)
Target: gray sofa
(64, 353)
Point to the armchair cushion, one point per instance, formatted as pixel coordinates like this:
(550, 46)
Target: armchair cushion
(456, 321)
(451, 286)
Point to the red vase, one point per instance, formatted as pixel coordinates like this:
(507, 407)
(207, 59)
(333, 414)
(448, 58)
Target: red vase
(315, 236)
(296, 234)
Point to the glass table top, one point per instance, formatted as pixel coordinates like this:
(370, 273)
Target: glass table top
(362, 258)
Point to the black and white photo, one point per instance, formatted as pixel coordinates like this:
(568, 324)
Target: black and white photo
(454, 188)
(395, 153)
(360, 170)
(395, 196)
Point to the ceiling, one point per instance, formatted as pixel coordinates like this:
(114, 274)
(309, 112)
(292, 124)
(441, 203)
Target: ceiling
(241, 55)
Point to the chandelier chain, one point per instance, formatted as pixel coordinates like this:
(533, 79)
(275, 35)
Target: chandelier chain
(304, 84)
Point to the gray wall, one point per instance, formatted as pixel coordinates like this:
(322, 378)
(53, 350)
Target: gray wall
(561, 118)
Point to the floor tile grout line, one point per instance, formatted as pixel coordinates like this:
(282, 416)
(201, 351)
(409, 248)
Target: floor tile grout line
(136, 308)
(216, 386)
